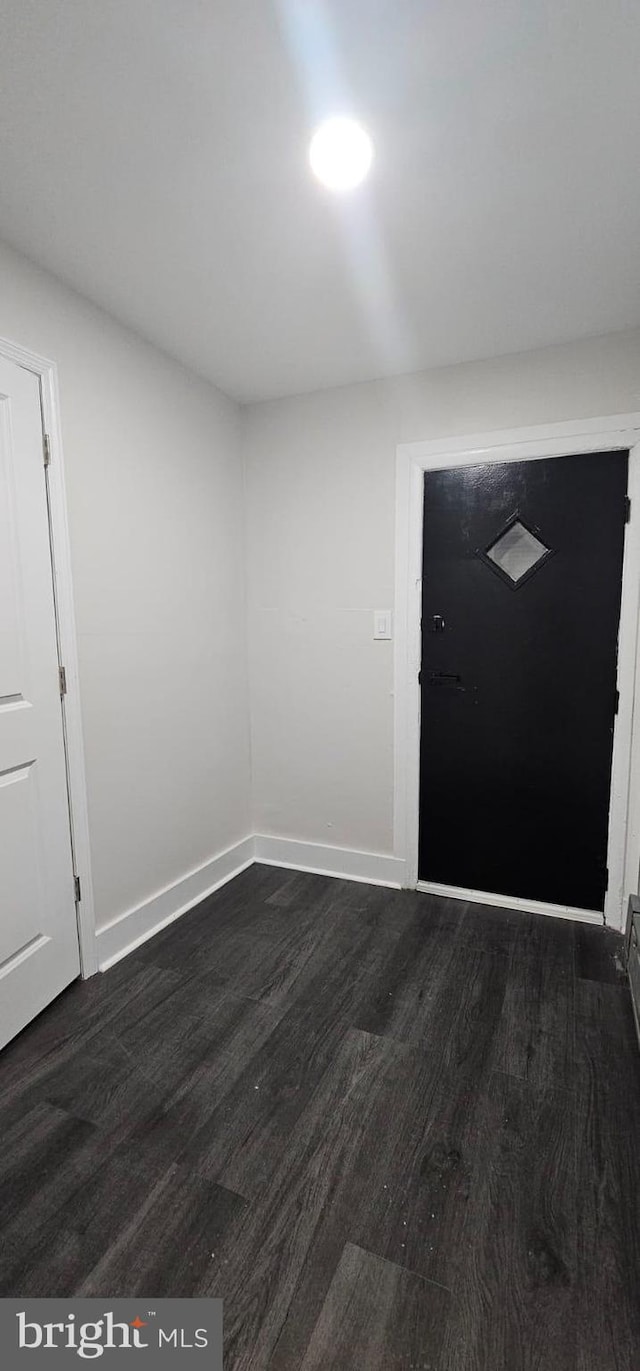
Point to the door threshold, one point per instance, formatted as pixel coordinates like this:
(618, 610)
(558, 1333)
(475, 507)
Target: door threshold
(553, 911)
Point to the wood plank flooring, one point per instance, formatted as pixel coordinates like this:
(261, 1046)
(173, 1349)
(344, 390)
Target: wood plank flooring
(393, 1132)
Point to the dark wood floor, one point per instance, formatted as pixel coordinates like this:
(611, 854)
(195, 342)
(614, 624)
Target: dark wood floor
(392, 1131)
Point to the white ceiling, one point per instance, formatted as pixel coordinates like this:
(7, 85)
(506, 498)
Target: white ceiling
(153, 154)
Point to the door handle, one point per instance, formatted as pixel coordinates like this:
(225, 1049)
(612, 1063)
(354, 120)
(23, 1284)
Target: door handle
(444, 678)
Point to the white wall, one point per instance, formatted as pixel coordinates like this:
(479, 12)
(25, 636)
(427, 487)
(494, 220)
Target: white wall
(155, 494)
(321, 493)
(155, 499)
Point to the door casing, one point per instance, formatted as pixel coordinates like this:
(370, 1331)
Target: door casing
(46, 372)
(524, 444)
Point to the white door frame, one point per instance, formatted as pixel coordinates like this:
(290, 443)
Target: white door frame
(46, 371)
(547, 440)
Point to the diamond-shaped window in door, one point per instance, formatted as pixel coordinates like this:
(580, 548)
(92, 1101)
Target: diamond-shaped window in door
(516, 553)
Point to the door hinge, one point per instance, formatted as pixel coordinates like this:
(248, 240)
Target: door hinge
(616, 701)
(46, 448)
(62, 677)
(419, 678)
(627, 509)
(76, 884)
(606, 878)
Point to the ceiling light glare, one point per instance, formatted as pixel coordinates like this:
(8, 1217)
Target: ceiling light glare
(341, 153)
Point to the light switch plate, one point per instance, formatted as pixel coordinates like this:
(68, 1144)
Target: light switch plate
(382, 623)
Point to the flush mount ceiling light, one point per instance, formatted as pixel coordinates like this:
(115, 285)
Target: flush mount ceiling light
(341, 153)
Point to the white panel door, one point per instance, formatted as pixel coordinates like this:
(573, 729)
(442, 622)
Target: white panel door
(38, 934)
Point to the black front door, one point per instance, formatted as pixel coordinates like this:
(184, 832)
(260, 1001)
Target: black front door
(520, 610)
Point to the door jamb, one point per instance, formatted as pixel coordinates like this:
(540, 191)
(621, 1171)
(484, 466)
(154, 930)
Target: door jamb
(47, 374)
(522, 444)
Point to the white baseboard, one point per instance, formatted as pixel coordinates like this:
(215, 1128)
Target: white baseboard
(126, 932)
(553, 911)
(369, 867)
(131, 929)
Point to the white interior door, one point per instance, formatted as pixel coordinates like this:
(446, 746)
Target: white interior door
(38, 934)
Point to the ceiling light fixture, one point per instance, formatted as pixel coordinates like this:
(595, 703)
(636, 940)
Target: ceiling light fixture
(340, 153)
